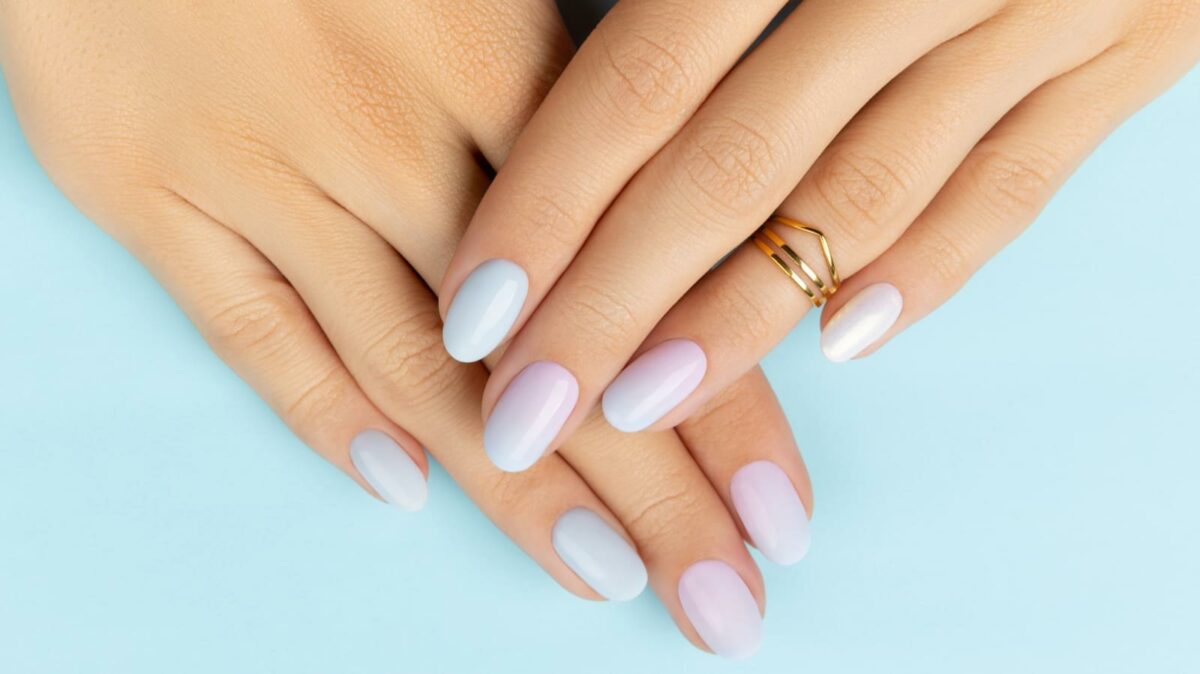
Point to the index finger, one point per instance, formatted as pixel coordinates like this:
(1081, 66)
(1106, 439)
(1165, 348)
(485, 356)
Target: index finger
(633, 84)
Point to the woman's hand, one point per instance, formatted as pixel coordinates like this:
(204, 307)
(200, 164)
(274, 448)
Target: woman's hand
(297, 174)
(918, 136)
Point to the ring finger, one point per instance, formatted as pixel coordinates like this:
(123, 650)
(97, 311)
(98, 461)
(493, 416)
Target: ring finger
(861, 194)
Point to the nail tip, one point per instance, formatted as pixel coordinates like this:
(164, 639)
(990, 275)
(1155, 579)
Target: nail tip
(391, 472)
(615, 420)
(632, 590)
(507, 463)
(745, 654)
(506, 459)
(831, 353)
(786, 558)
(459, 350)
(622, 597)
(406, 508)
(415, 504)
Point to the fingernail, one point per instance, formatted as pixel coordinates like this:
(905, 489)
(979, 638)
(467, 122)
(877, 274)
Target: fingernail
(529, 415)
(654, 384)
(389, 470)
(721, 608)
(771, 511)
(861, 321)
(599, 555)
(484, 309)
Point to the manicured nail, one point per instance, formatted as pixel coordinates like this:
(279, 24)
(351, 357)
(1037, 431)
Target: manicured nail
(721, 608)
(529, 415)
(600, 555)
(861, 321)
(484, 309)
(771, 511)
(654, 384)
(389, 470)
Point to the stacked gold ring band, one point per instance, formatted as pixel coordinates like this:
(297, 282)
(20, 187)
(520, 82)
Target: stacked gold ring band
(792, 265)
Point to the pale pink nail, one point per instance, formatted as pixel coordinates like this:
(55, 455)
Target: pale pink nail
(529, 414)
(654, 384)
(771, 511)
(861, 321)
(721, 608)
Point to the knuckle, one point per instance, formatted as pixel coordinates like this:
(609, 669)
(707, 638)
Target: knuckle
(410, 363)
(663, 515)
(552, 219)
(732, 162)
(369, 93)
(748, 320)
(648, 80)
(946, 258)
(604, 317)
(1014, 183)
(864, 191)
(318, 400)
(500, 58)
(260, 321)
(510, 494)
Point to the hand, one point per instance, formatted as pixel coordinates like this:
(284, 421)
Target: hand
(918, 136)
(297, 174)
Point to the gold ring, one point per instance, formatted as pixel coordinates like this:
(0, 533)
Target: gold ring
(792, 265)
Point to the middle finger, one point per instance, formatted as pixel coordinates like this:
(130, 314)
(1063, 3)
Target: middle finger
(737, 157)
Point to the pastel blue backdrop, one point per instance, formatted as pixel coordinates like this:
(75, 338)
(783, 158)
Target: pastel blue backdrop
(1009, 487)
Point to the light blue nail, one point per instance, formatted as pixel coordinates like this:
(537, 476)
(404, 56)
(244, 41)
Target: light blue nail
(484, 310)
(601, 556)
(389, 469)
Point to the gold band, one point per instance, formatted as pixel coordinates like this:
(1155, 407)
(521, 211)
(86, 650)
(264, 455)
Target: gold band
(773, 245)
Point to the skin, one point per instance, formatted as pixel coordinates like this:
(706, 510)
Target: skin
(297, 175)
(920, 136)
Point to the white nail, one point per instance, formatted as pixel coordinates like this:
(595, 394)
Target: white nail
(861, 321)
(484, 310)
(389, 470)
(600, 555)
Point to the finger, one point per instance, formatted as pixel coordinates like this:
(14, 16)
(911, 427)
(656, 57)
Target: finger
(863, 192)
(677, 520)
(632, 85)
(693, 202)
(516, 54)
(257, 323)
(742, 442)
(996, 193)
(383, 323)
(501, 60)
(674, 518)
(698, 565)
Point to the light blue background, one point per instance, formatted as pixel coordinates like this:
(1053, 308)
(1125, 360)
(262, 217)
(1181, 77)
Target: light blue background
(1010, 487)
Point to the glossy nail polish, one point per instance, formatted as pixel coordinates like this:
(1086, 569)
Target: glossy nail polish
(389, 470)
(484, 310)
(599, 555)
(861, 321)
(771, 511)
(529, 414)
(653, 384)
(721, 608)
